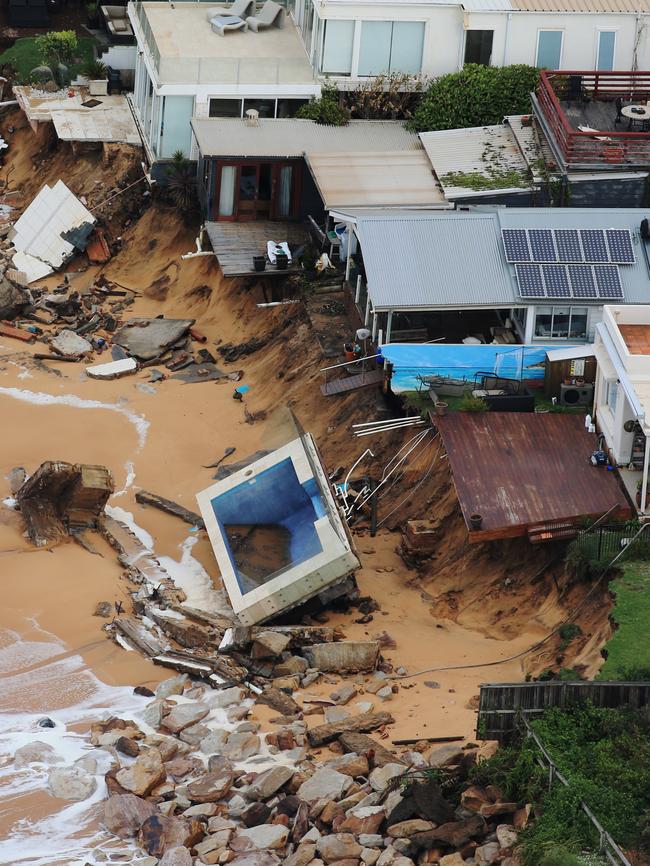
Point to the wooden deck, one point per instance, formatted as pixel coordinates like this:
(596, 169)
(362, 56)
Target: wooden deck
(520, 471)
(235, 244)
(352, 383)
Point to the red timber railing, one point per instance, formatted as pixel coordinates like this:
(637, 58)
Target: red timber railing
(606, 149)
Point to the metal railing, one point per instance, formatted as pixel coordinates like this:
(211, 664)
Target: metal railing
(606, 148)
(606, 844)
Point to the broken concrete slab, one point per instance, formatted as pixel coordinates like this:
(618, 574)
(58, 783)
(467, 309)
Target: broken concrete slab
(60, 497)
(146, 339)
(13, 300)
(69, 343)
(346, 655)
(145, 497)
(113, 369)
(206, 372)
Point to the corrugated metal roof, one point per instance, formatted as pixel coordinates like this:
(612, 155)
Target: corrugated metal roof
(455, 259)
(485, 151)
(393, 178)
(293, 138)
(571, 353)
(630, 7)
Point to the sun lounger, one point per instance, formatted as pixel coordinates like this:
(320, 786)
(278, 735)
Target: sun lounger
(271, 14)
(239, 9)
(272, 249)
(220, 24)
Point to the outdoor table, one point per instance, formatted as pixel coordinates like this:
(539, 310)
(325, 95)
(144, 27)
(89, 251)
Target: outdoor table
(640, 113)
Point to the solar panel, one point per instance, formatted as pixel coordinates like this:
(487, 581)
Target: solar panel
(541, 245)
(529, 280)
(620, 246)
(568, 246)
(515, 244)
(556, 281)
(582, 281)
(608, 281)
(594, 246)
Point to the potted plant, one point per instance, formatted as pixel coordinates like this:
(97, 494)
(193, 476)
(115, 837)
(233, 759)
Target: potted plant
(441, 407)
(95, 72)
(475, 520)
(281, 261)
(259, 263)
(92, 10)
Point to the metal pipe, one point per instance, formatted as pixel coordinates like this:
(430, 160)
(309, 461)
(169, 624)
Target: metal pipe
(385, 421)
(387, 429)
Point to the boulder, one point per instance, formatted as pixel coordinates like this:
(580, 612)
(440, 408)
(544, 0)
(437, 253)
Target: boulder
(487, 854)
(68, 343)
(406, 829)
(210, 788)
(268, 782)
(269, 644)
(256, 858)
(12, 300)
(454, 859)
(214, 742)
(335, 714)
(183, 716)
(71, 783)
(256, 814)
(344, 693)
(338, 846)
(159, 833)
(226, 697)
(36, 752)
(127, 746)
(345, 655)
(369, 856)
(172, 686)
(179, 856)
(473, 798)
(446, 755)
(325, 783)
(240, 746)
(381, 776)
(351, 765)
(365, 819)
(291, 666)
(266, 837)
(304, 854)
(371, 840)
(124, 814)
(456, 834)
(144, 774)
(506, 835)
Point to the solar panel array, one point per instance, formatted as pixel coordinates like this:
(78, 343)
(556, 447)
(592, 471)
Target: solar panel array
(569, 263)
(591, 246)
(582, 282)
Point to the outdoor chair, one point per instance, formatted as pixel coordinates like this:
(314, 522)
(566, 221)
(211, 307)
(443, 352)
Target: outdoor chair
(271, 14)
(619, 110)
(220, 24)
(239, 9)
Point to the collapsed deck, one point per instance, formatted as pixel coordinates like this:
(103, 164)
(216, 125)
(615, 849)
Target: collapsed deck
(527, 474)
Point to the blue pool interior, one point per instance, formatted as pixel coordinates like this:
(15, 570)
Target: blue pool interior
(272, 500)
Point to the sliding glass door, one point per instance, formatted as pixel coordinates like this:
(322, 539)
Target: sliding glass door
(248, 191)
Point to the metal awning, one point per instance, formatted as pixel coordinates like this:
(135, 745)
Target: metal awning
(570, 353)
(371, 179)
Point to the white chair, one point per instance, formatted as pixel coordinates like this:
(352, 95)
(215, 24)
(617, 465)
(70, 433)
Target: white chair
(271, 14)
(239, 9)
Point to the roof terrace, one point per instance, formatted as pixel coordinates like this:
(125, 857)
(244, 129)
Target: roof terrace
(185, 50)
(585, 126)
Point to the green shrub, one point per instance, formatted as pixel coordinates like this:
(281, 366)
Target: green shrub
(181, 186)
(58, 47)
(476, 96)
(560, 857)
(326, 110)
(95, 70)
(473, 404)
(567, 632)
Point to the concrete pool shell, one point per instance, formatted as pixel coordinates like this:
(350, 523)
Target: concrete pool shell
(276, 532)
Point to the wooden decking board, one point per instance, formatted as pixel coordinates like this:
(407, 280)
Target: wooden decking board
(519, 470)
(352, 383)
(235, 244)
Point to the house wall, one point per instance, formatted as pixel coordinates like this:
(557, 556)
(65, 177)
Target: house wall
(122, 57)
(609, 192)
(610, 423)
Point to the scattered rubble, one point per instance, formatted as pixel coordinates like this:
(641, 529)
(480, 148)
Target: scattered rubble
(147, 339)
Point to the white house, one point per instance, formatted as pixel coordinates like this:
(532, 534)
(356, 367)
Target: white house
(184, 70)
(622, 399)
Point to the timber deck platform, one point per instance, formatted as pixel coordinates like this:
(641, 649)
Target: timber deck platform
(527, 474)
(236, 243)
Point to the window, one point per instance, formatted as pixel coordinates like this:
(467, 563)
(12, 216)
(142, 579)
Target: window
(612, 395)
(561, 323)
(289, 107)
(478, 46)
(337, 47)
(308, 25)
(606, 47)
(390, 46)
(549, 48)
(266, 107)
(224, 108)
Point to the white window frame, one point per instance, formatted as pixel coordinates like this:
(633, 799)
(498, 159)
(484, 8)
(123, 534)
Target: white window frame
(611, 388)
(481, 29)
(356, 44)
(599, 30)
(551, 30)
(555, 307)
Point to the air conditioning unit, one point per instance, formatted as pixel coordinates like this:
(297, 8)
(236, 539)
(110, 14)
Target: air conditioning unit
(576, 395)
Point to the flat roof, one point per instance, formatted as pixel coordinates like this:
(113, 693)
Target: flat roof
(189, 51)
(521, 469)
(636, 338)
(456, 259)
(291, 137)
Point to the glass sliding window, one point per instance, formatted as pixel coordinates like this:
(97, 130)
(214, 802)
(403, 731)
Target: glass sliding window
(612, 395)
(406, 47)
(606, 48)
(374, 51)
(337, 47)
(478, 46)
(544, 322)
(289, 107)
(266, 107)
(227, 190)
(578, 326)
(224, 108)
(549, 48)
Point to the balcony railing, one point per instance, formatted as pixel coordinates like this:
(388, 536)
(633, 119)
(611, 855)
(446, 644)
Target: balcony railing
(603, 149)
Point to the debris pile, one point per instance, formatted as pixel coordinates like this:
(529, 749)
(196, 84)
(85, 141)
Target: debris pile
(62, 499)
(193, 781)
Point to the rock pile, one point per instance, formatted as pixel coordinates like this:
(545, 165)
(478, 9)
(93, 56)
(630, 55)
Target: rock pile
(194, 781)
